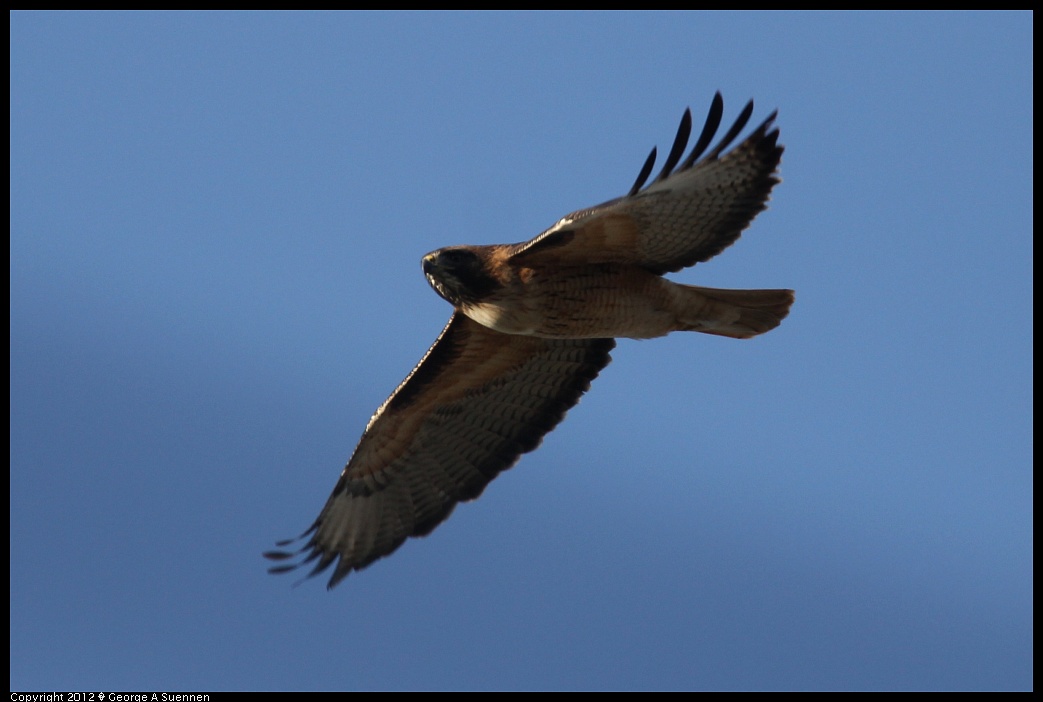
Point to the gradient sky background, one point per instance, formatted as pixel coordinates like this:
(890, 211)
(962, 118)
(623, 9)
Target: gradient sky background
(216, 229)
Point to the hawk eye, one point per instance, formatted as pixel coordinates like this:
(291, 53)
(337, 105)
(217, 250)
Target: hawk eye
(456, 256)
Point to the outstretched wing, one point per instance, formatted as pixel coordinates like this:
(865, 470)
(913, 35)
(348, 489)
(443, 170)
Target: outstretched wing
(689, 213)
(476, 401)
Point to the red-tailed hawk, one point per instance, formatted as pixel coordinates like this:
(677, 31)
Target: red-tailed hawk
(532, 325)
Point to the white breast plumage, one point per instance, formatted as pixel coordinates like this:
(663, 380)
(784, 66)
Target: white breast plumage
(496, 317)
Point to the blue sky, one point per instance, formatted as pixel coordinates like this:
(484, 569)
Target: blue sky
(216, 228)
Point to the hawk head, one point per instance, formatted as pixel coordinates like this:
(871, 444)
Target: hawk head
(460, 274)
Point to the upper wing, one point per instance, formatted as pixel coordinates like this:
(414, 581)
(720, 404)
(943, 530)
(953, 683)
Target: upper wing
(689, 213)
(477, 400)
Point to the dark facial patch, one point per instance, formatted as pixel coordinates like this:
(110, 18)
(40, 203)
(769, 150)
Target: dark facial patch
(459, 275)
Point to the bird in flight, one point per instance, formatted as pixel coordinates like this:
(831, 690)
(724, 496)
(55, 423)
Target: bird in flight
(532, 325)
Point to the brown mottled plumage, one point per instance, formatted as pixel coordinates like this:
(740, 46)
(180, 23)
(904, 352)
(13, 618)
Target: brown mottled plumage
(533, 324)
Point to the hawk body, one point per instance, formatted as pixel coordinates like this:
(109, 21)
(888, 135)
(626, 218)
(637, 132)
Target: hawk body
(602, 300)
(533, 325)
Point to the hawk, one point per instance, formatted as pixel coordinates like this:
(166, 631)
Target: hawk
(532, 325)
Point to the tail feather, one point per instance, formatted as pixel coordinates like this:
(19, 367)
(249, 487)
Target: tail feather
(739, 314)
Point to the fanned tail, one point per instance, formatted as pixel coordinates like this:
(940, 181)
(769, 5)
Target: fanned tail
(739, 314)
